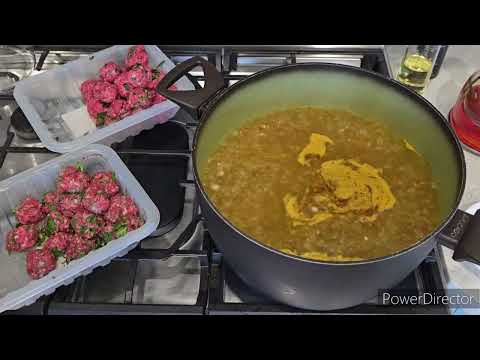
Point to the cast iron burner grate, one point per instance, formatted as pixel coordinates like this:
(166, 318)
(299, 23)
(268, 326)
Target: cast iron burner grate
(21, 126)
(193, 279)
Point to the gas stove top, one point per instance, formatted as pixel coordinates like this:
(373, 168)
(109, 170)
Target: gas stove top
(194, 279)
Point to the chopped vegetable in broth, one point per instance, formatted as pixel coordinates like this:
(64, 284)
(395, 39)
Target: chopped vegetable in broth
(323, 184)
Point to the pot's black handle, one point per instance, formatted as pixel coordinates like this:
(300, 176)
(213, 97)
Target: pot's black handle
(192, 100)
(462, 235)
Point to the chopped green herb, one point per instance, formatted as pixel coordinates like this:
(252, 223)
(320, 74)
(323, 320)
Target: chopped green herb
(114, 177)
(42, 237)
(103, 240)
(80, 166)
(51, 226)
(121, 231)
(83, 229)
(107, 237)
(57, 253)
(91, 219)
(126, 87)
(101, 117)
(99, 243)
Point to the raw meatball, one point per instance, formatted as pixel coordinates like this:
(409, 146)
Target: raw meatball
(110, 121)
(97, 111)
(29, 211)
(72, 180)
(50, 201)
(69, 204)
(69, 170)
(121, 206)
(112, 231)
(139, 76)
(40, 263)
(157, 76)
(140, 99)
(58, 243)
(136, 55)
(95, 199)
(22, 238)
(104, 92)
(123, 85)
(106, 180)
(117, 110)
(78, 246)
(86, 224)
(134, 222)
(110, 71)
(56, 222)
(87, 89)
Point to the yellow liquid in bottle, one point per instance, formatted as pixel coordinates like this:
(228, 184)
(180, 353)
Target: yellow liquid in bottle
(415, 72)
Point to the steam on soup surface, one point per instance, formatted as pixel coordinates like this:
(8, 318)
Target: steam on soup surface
(323, 184)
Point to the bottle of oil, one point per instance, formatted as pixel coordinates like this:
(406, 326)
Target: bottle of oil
(417, 66)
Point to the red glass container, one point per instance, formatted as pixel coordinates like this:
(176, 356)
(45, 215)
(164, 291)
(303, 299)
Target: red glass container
(465, 114)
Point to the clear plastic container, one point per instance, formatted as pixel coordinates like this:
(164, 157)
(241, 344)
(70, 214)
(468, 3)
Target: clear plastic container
(45, 97)
(17, 289)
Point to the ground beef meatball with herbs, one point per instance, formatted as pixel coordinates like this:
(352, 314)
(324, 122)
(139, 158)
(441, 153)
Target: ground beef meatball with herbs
(95, 199)
(134, 222)
(40, 262)
(121, 206)
(107, 181)
(97, 111)
(139, 76)
(87, 89)
(86, 224)
(72, 180)
(118, 110)
(55, 222)
(22, 238)
(50, 201)
(104, 92)
(140, 99)
(157, 76)
(58, 243)
(137, 55)
(78, 247)
(69, 204)
(123, 85)
(110, 71)
(29, 211)
(111, 231)
(110, 121)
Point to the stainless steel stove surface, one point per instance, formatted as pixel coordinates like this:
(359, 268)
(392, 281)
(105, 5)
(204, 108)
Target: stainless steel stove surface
(192, 279)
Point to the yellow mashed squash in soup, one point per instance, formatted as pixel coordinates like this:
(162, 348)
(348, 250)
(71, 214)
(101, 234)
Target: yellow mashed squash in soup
(324, 185)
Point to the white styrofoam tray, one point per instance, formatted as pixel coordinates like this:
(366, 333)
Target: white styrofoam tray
(45, 97)
(16, 287)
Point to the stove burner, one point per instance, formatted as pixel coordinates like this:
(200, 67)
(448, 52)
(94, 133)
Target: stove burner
(160, 175)
(22, 126)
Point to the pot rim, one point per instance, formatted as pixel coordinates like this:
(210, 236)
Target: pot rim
(222, 95)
